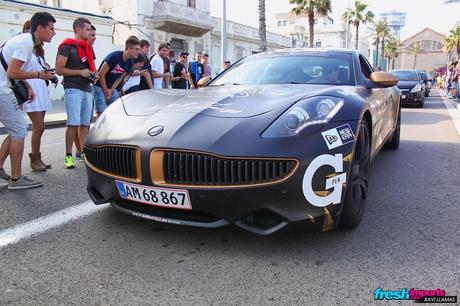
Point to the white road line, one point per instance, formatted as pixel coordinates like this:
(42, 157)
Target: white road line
(40, 225)
(454, 112)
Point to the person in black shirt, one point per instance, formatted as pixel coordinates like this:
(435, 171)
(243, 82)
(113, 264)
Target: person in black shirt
(181, 72)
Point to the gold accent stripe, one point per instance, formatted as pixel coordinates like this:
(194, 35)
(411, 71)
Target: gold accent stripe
(157, 173)
(328, 223)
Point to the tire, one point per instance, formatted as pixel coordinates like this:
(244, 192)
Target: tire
(357, 184)
(393, 142)
(421, 103)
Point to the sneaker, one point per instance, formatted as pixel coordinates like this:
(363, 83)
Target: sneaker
(23, 183)
(68, 162)
(4, 177)
(82, 157)
(77, 155)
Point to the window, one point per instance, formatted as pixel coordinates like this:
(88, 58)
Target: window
(365, 67)
(191, 3)
(439, 46)
(284, 23)
(426, 44)
(305, 68)
(318, 44)
(280, 23)
(316, 21)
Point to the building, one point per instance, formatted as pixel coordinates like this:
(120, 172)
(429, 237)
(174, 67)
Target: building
(327, 32)
(241, 41)
(395, 20)
(186, 24)
(431, 58)
(15, 13)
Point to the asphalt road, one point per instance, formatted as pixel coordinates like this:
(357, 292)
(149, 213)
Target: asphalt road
(409, 238)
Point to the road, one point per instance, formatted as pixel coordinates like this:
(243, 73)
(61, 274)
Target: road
(409, 238)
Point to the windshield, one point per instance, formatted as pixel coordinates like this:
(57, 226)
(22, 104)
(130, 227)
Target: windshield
(322, 68)
(406, 75)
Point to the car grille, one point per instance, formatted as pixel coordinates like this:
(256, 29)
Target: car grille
(117, 161)
(202, 169)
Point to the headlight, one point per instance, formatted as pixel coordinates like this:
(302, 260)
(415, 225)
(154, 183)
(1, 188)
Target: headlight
(305, 113)
(417, 88)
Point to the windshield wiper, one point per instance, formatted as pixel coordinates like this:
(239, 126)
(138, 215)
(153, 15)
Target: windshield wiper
(291, 82)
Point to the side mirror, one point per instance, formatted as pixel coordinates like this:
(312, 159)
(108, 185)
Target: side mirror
(384, 79)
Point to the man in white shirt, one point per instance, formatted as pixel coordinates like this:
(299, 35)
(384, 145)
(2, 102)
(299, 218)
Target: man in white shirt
(16, 52)
(157, 64)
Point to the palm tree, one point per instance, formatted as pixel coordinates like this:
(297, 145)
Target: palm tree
(262, 26)
(391, 51)
(380, 31)
(309, 8)
(357, 16)
(415, 49)
(455, 37)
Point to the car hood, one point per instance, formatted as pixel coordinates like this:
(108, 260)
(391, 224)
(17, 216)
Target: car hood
(238, 101)
(407, 84)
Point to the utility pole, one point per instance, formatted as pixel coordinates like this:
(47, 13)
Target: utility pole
(223, 47)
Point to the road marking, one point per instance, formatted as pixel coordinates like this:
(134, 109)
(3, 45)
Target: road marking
(43, 224)
(453, 110)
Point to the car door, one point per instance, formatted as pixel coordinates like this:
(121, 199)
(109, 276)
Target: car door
(381, 103)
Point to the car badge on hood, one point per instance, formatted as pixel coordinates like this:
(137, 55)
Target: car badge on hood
(156, 130)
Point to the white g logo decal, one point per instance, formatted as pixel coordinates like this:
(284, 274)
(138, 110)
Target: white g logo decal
(336, 182)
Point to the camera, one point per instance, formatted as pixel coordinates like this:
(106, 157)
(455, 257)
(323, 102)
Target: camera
(92, 77)
(55, 79)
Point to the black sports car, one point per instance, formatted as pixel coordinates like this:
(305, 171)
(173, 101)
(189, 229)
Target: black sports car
(278, 137)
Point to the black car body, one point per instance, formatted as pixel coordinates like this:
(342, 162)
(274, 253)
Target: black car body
(262, 145)
(411, 85)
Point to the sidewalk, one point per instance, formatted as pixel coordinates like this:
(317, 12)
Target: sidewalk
(453, 108)
(55, 118)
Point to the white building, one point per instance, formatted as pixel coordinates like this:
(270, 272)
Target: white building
(328, 33)
(15, 13)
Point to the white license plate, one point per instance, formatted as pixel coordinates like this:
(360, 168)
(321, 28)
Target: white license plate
(170, 198)
(403, 97)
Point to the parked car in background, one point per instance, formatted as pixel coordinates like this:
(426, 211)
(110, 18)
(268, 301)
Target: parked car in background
(426, 82)
(411, 86)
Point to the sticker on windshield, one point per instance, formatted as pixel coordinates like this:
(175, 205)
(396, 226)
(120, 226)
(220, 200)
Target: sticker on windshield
(338, 136)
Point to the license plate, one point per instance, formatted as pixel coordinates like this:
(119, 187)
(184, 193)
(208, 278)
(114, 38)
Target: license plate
(403, 96)
(170, 198)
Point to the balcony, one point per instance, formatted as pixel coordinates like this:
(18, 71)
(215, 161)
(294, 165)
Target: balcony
(174, 18)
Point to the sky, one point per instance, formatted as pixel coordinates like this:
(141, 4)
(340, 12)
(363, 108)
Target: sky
(420, 13)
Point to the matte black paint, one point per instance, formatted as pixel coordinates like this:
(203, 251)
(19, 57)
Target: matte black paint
(229, 121)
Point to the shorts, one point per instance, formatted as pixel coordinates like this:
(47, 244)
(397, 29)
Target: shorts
(12, 117)
(99, 99)
(79, 106)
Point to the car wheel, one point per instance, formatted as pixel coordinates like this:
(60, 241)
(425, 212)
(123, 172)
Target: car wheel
(421, 103)
(393, 142)
(357, 184)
